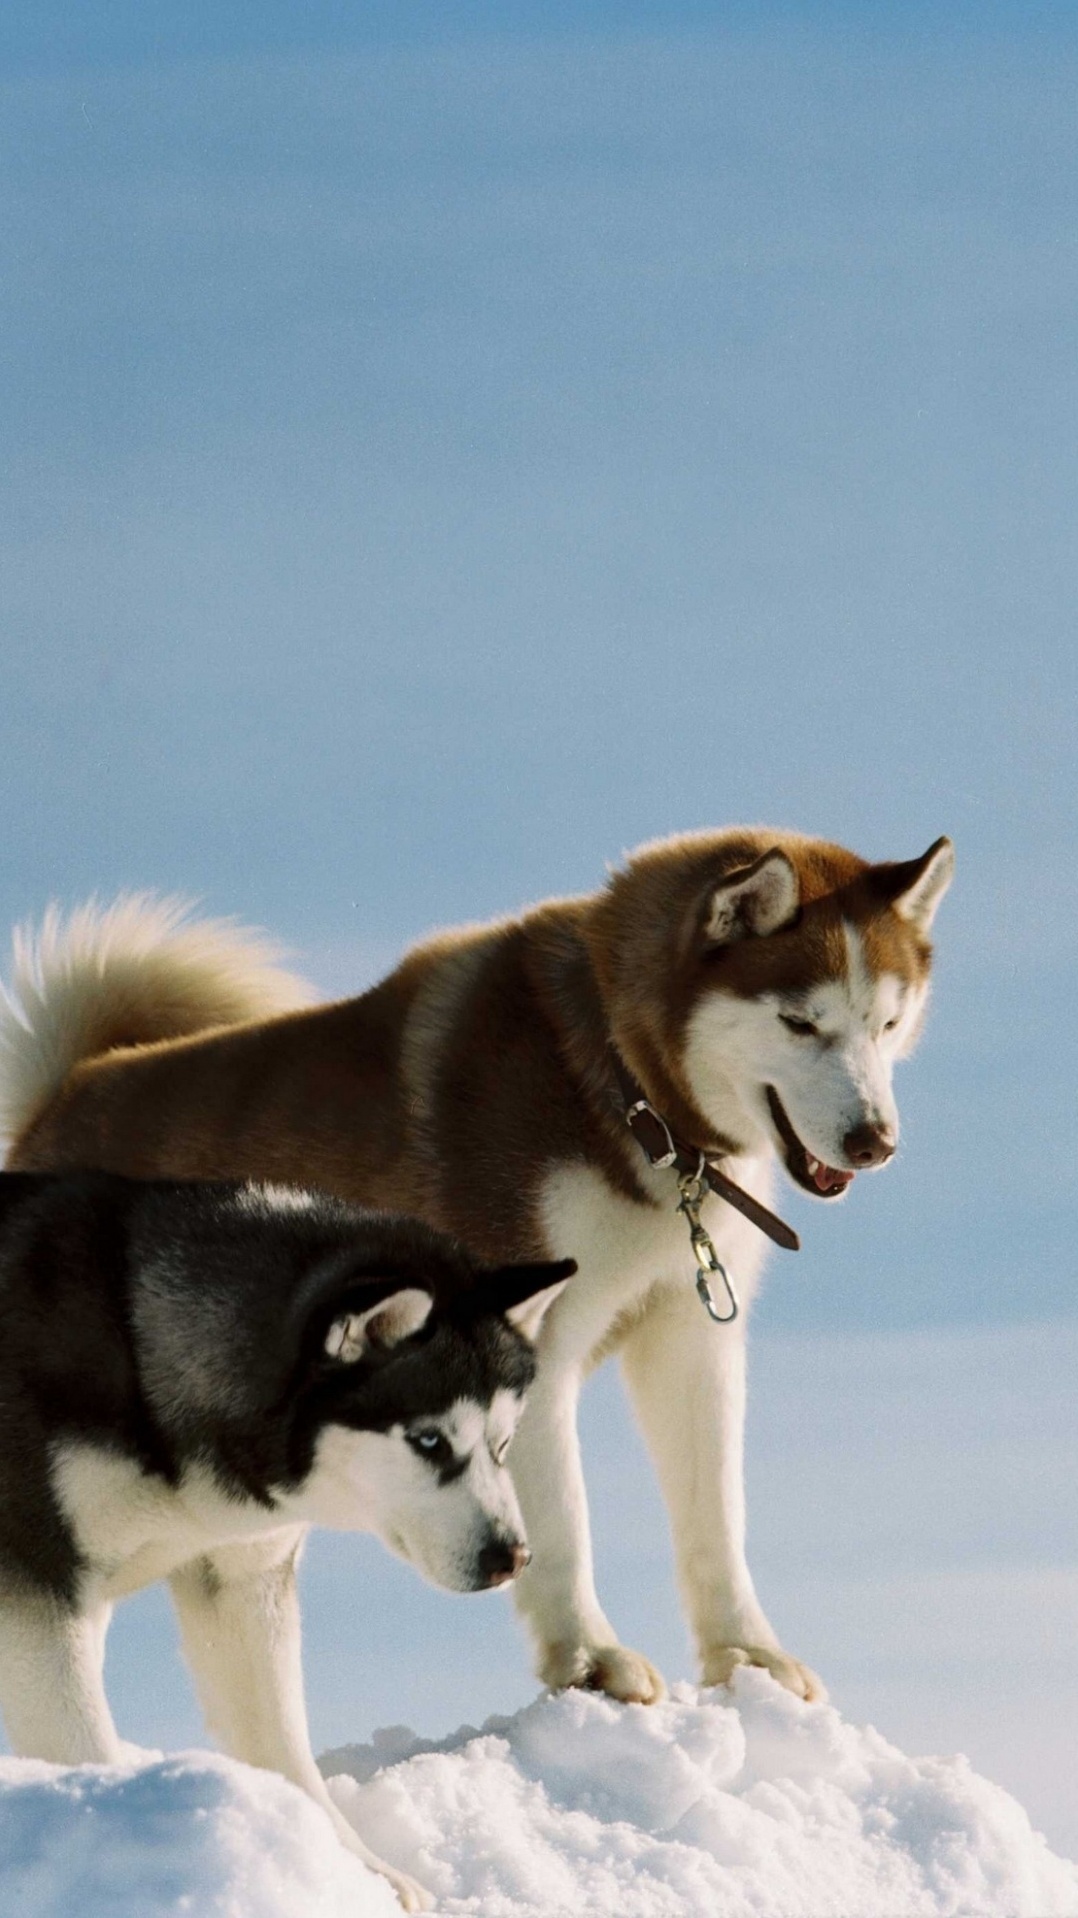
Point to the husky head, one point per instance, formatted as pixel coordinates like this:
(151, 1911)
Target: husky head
(410, 1401)
(799, 977)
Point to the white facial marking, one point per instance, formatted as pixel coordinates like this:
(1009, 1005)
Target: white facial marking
(829, 1053)
(502, 1420)
(437, 1508)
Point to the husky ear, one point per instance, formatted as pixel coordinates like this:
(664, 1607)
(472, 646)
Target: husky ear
(353, 1332)
(524, 1294)
(915, 887)
(527, 1317)
(758, 899)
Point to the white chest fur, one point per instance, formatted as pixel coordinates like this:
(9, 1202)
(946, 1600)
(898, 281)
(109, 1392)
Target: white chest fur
(133, 1529)
(624, 1251)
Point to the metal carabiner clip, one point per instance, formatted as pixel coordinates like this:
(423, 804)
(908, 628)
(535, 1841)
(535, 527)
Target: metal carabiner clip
(707, 1267)
(693, 1191)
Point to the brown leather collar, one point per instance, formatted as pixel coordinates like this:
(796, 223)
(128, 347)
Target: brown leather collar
(661, 1147)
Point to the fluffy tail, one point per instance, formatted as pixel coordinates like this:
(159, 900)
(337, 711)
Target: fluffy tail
(124, 975)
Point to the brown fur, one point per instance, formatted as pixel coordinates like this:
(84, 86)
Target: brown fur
(450, 1088)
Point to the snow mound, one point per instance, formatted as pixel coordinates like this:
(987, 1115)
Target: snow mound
(707, 1804)
(194, 1834)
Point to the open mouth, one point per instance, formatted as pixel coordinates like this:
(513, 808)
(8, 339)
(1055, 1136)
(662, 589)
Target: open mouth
(823, 1181)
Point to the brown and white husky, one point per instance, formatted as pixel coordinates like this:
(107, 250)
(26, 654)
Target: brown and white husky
(755, 987)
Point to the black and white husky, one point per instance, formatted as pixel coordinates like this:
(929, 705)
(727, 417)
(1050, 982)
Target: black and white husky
(193, 1375)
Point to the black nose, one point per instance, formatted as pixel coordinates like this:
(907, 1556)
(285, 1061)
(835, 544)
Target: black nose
(868, 1145)
(501, 1560)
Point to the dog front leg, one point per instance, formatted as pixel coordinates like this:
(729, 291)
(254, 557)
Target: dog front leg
(239, 1619)
(686, 1378)
(52, 1689)
(576, 1644)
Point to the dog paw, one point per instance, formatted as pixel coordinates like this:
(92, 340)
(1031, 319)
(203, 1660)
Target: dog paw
(613, 1669)
(412, 1895)
(721, 1664)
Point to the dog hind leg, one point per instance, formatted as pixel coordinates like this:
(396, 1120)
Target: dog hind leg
(239, 1619)
(52, 1689)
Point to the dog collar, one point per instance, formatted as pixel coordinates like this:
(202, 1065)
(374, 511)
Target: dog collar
(661, 1147)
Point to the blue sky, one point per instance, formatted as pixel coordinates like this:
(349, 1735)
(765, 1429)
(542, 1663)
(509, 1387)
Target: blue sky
(434, 466)
(445, 446)
(52, 37)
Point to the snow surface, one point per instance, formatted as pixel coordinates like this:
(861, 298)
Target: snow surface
(194, 1834)
(733, 1807)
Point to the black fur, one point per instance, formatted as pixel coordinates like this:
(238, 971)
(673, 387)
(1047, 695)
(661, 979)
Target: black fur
(173, 1323)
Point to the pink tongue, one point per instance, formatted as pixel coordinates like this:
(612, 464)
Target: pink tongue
(826, 1177)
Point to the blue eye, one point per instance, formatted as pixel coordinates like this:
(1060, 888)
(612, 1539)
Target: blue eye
(431, 1445)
